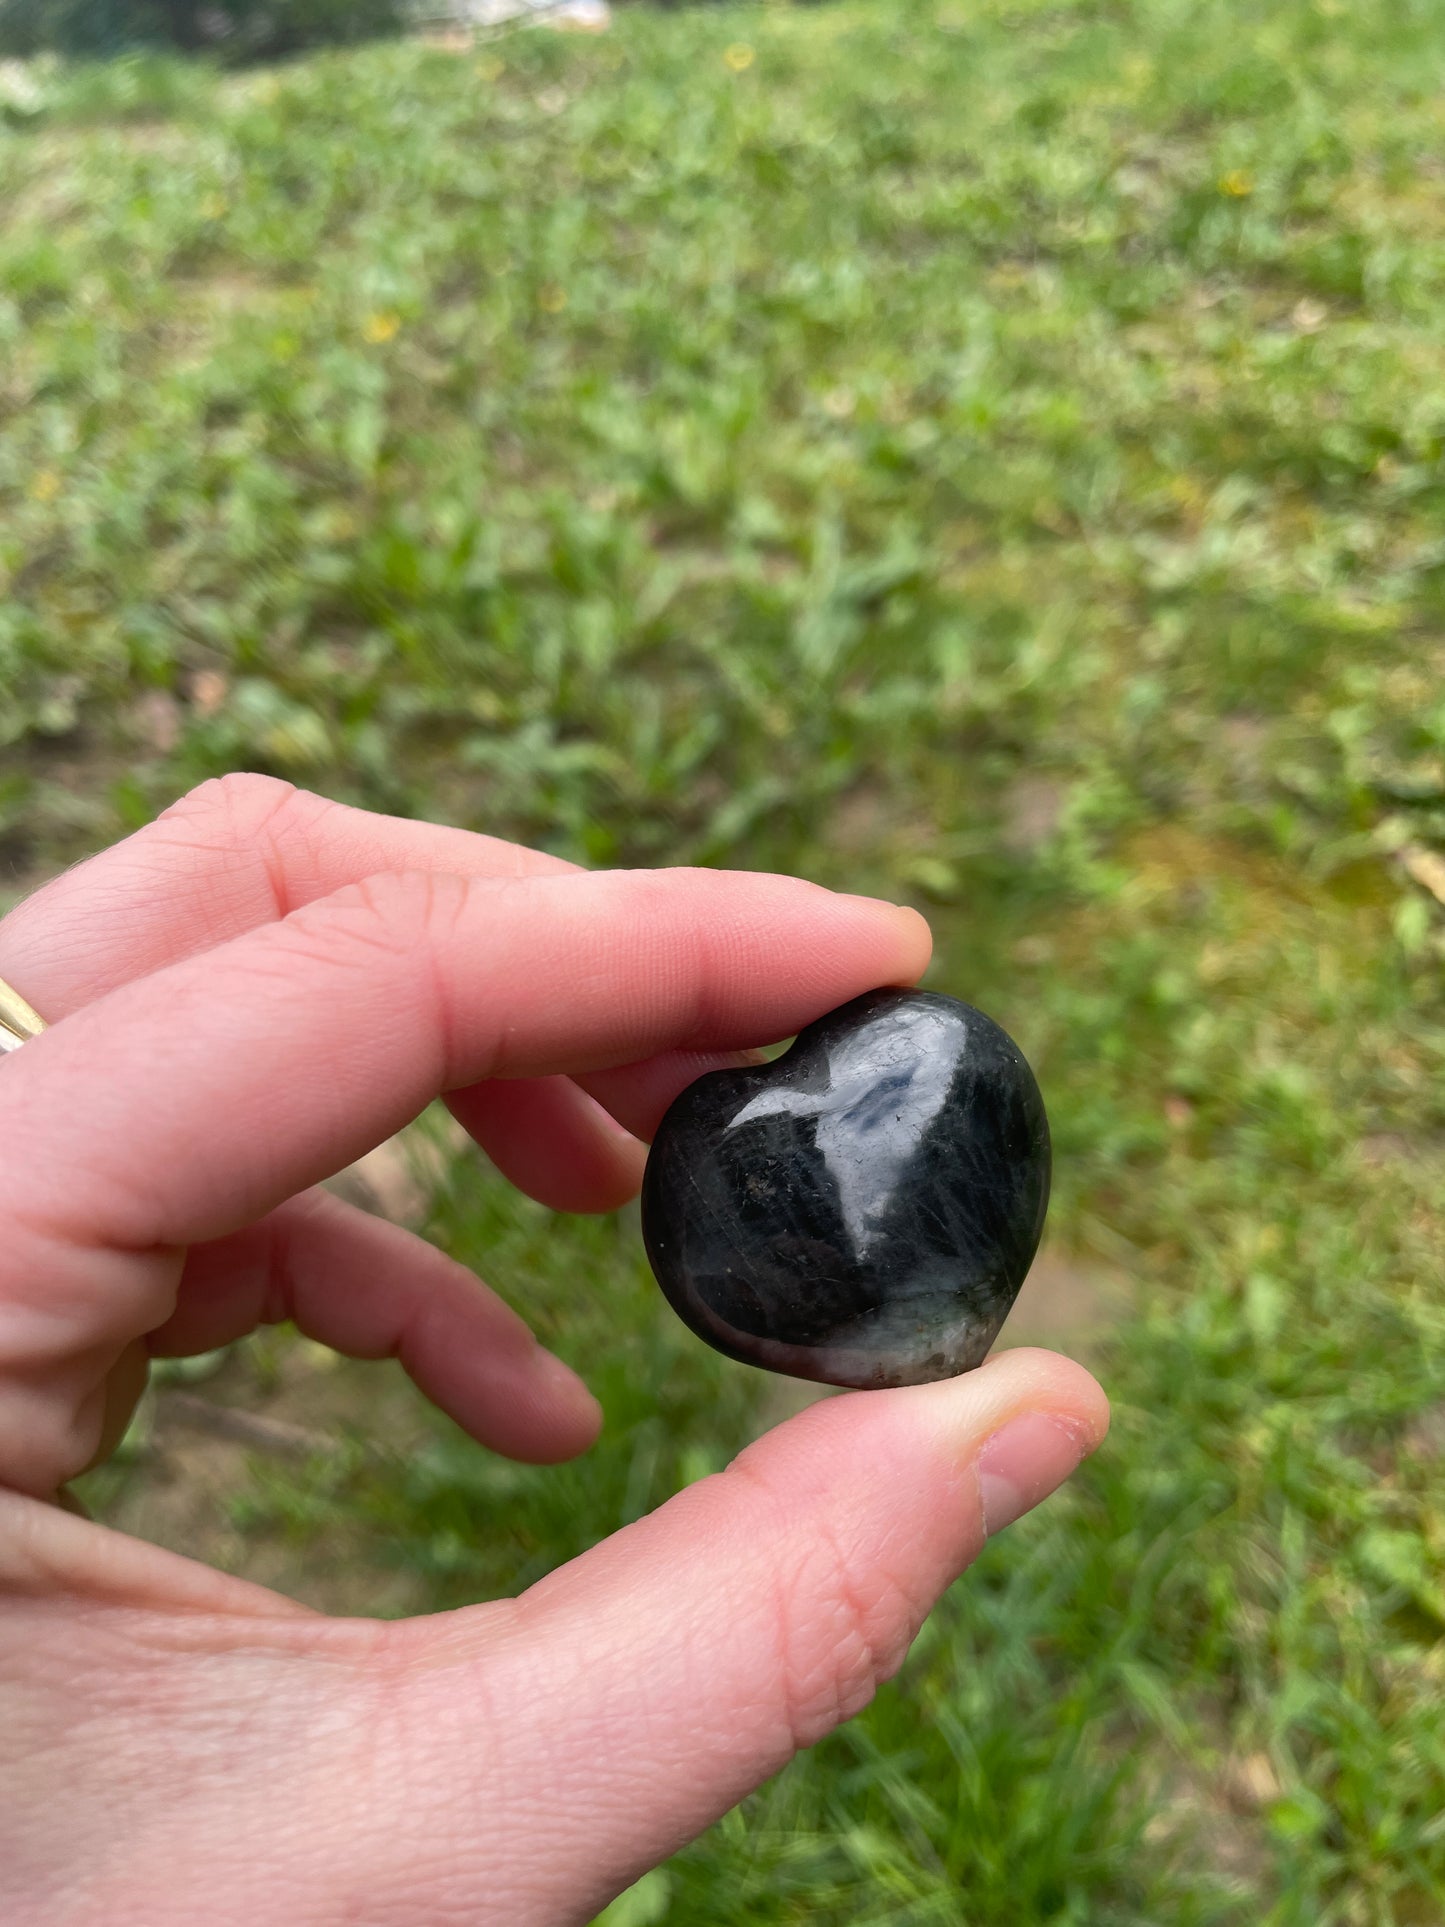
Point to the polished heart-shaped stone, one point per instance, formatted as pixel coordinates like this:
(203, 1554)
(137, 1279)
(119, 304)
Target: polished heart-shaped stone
(863, 1209)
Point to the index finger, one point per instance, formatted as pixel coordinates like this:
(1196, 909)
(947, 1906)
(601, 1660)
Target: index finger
(197, 1099)
(192, 1100)
(245, 850)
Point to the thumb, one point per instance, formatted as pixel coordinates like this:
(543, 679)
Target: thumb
(632, 1697)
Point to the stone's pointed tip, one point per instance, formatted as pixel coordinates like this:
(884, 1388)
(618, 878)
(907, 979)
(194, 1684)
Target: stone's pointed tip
(863, 1210)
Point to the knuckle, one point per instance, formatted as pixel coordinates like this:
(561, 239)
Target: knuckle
(844, 1629)
(241, 800)
(842, 1624)
(400, 921)
(376, 915)
(406, 907)
(266, 824)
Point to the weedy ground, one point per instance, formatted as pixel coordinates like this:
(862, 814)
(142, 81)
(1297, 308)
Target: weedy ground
(992, 454)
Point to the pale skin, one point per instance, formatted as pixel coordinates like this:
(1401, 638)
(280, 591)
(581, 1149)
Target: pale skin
(245, 997)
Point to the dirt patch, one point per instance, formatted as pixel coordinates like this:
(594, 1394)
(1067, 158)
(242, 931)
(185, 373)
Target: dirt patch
(1032, 811)
(399, 1178)
(1219, 1817)
(1068, 1304)
(201, 1454)
(1425, 1439)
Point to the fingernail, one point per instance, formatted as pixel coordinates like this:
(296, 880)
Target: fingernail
(1022, 1464)
(881, 903)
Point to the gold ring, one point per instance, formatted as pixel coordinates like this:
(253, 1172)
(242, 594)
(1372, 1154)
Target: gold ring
(18, 1022)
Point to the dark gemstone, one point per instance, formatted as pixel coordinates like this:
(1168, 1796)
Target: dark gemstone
(862, 1210)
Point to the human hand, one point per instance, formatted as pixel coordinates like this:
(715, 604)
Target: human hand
(251, 993)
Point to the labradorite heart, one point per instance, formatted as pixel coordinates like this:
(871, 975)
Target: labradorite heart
(862, 1210)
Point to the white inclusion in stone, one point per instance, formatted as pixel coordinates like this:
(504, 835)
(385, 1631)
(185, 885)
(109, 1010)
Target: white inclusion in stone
(872, 1117)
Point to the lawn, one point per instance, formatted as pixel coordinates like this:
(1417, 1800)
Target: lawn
(987, 454)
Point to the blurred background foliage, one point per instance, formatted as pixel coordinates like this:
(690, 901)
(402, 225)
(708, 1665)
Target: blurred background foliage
(987, 454)
(234, 30)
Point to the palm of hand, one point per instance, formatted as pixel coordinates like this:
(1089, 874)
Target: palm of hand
(271, 984)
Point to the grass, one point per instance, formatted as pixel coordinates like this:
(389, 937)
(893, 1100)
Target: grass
(989, 454)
